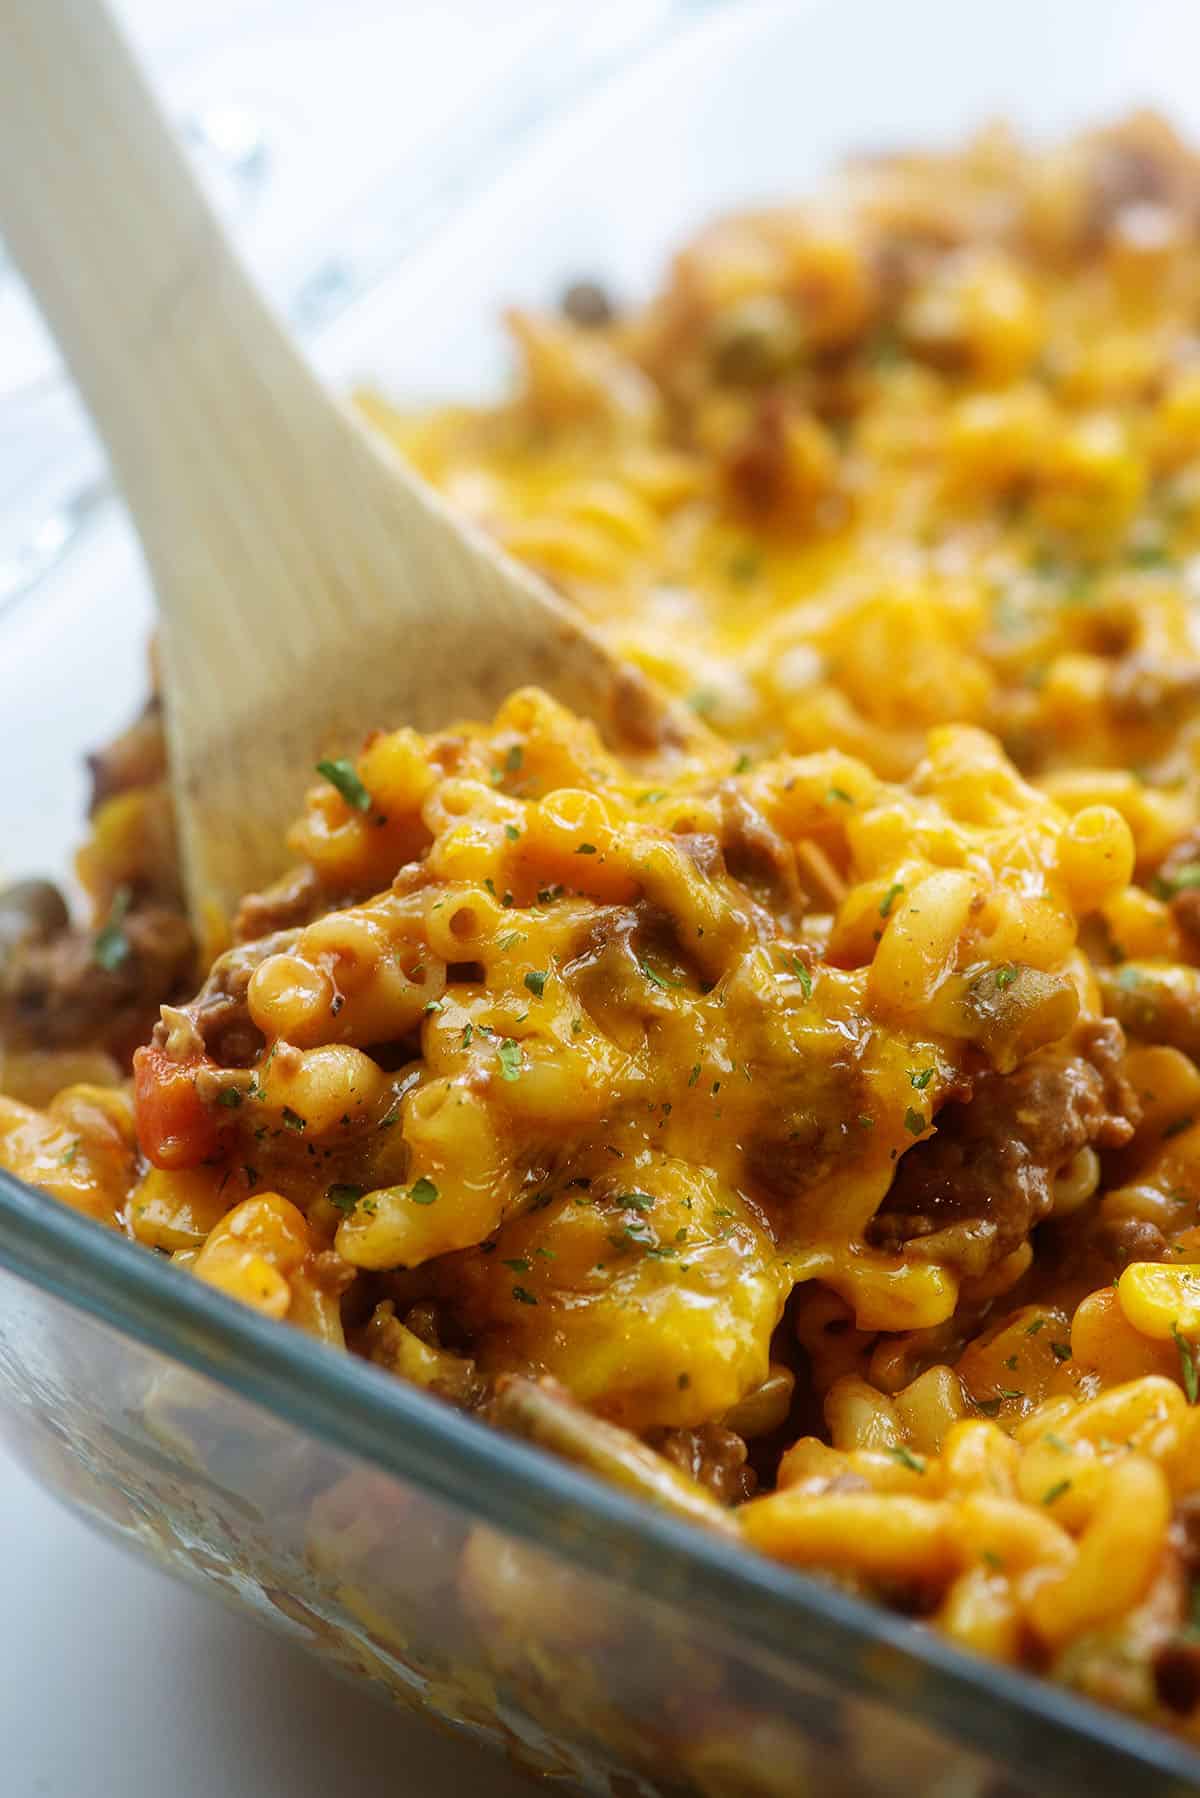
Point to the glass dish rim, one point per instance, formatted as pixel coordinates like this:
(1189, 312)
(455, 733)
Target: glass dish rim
(1043, 1731)
(350, 1406)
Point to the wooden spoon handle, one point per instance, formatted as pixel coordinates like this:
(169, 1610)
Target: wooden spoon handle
(311, 586)
(156, 318)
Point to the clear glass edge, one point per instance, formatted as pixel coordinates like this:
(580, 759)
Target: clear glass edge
(531, 1495)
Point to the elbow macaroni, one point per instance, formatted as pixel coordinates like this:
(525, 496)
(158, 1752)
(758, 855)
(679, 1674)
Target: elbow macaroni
(840, 1063)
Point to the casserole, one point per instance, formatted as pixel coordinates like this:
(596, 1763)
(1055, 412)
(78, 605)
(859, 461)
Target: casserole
(262, 1511)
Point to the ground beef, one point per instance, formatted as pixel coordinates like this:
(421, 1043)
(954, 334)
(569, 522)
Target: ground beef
(56, 994)
(757, 468)
(137, 758)
(1185, 911)
(1140, 164)
(703, 851)
(715, 1457)
(220, 1012)
(589, 304)
(1122, 1240)
(758, 856)
(808, 1129)
(987, 1176)
(1149, 690)
(1177, 1676)
(296, 899)
(30, 911)
(1155, 1001)
(1177, 880)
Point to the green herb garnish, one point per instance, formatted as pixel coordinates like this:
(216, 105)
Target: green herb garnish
(1187, 1364)
(637, 1201)
(803, 974)
(890, 897)
(341, 1196)
(110, 945)
(343, 775)
(1187, 877)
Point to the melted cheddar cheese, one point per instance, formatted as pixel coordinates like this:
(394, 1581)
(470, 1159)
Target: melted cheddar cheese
(814, 1105)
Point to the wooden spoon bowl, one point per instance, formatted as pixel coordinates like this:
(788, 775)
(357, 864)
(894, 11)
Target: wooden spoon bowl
(310, 585)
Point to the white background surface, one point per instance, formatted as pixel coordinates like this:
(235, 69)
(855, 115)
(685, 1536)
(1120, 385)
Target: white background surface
(117, 1683)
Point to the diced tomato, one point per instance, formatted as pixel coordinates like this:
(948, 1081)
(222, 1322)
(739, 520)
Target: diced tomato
(175, 1128)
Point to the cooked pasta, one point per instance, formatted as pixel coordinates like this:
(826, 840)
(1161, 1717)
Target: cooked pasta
(800, 1126)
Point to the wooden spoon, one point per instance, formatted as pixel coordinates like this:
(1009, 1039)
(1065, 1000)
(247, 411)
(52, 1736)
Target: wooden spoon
(311, 587)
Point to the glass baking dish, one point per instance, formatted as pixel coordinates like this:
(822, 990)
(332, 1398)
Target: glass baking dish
(601, 1643)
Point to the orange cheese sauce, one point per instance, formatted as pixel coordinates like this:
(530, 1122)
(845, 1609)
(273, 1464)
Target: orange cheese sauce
(815, 1100)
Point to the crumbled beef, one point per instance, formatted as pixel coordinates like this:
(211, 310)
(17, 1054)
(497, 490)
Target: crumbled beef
(1185, 1529)
(1124, 175)
(1181, 860)
(137, 758)
(31, 911)
(987, 1177)
(1138, 166)
(56, 994)
(1177, 880)
(1122, 1240)
(715, 1457)
(220, 1012)
(703, 851)
(296, 899)
(902, 259)
(1154, 1001)
(1185, 911)
(330, 1273)
(1149, 690)
(589, 304)
(811, 1127)
(758, 856)
(757, 468)
(1177, 1676)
